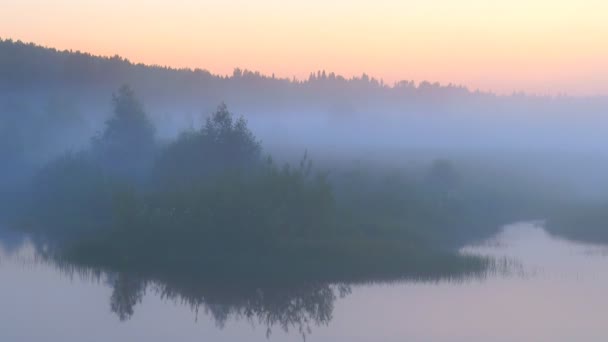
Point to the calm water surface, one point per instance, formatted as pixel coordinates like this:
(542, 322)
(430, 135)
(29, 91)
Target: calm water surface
(548, 290)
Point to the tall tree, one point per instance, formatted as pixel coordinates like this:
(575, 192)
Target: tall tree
(126, 146)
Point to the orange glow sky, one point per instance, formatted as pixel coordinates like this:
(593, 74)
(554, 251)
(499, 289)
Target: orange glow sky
(538, 46)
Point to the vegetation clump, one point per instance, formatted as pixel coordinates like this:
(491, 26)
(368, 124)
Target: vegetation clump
(212, 203)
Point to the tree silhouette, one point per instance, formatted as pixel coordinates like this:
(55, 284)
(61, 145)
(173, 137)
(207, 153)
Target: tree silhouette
(126, 146)
(222, 145)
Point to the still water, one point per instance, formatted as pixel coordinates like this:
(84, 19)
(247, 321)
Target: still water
(549, 289)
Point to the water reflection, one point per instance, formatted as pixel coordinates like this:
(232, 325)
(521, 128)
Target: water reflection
(127, 292)
(290, 307)
(297, 307)
(285, 307)
(537, 281)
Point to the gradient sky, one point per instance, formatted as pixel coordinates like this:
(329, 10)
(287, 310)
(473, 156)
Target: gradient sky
(538, 46)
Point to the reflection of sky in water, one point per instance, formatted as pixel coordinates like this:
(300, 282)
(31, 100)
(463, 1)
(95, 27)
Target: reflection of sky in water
(558, 296)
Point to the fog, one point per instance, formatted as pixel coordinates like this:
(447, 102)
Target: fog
(268, 199)
(57, 102)
(52, 101)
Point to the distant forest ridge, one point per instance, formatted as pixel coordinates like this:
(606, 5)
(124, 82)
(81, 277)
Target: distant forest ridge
(76, 65)
(22, 64)
(30, 69)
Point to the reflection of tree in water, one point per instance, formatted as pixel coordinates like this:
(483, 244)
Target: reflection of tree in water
(298, 307)
(295, 305)
(290, 307)
(128, 291)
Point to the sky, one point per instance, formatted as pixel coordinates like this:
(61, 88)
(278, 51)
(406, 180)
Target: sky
(536, 46)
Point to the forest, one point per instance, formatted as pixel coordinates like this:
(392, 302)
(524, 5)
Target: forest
(164, 195)
(212, 200)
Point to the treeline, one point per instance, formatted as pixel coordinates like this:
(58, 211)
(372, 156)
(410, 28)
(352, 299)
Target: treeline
(26, 67)
(21, 67)
(51, 101)
(212, 201)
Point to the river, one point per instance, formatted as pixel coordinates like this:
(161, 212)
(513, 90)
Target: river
(548, 289)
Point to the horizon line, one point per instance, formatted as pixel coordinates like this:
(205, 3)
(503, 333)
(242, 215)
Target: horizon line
(294, 79)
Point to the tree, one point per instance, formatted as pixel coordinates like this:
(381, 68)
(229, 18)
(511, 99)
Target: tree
(232, 143)
(126, 146)
(222, 145)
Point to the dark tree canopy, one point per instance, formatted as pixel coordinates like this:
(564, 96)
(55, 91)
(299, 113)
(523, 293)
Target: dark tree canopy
(231, 143)
(126, 146)
(224, 144)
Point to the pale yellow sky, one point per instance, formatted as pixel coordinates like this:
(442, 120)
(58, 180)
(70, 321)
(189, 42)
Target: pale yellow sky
(542, 46)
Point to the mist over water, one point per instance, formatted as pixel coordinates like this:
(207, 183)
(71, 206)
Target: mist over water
(149, 203)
